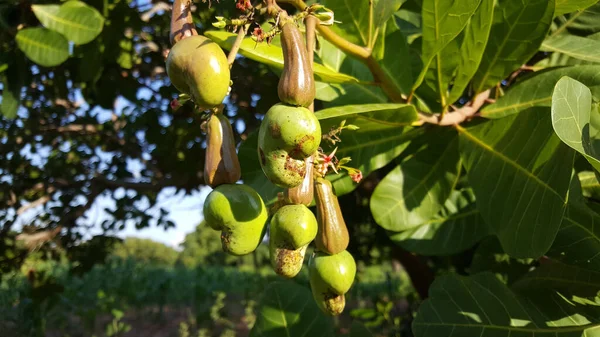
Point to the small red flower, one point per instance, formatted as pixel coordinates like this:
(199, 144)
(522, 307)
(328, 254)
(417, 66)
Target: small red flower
(258, 33)
(356, 176)
(175, 104)
(243, 5)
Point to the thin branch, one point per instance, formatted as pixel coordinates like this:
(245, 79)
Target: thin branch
(458, 116)
(35, 203)
(236, 45)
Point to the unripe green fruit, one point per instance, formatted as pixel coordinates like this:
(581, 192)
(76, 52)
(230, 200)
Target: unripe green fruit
(281, 169)
(331, 276)
(197, 66)
(240, 214)
(293, 227)
(293, 129)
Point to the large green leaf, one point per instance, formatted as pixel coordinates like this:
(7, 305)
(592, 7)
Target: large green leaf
(537, 90)
(442, 22)
(396, 62)
(415, 191)
(442, 70)
(381, 137)
(571, 107)
(518, 29)
(273, 55)
(457, 227)
(589, 184)
(561, 277)
(481, 306)
(77, 21)
(396, 114)
(288, 309)
(578, 240)
(520, 173)
(575, 46)
(382, 12)
(476, 33)
(568, 6)
(489, 257)
(586, 22)
(43, 46)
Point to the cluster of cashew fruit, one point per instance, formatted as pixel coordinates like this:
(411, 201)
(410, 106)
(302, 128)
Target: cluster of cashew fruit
(288, 143)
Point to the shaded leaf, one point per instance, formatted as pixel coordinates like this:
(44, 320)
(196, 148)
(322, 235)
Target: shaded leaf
(568, 6)
(518, 29)
(574, 46)
(43, 46)
(537, 90)
(75, 20)
(481, 305)
(489, 257)
(471, 51)
(442, 22)
(396, 62)
(288, 309)
(457, 227)
(273, 55)
(415, 191)
(520, 173)
(353, 17)
(578, 240)
(571, 107)
(12, 81)
(560, 277)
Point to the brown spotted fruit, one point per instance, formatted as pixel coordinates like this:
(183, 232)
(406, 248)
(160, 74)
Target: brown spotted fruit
(286, 137)
(292, 228)
(240, 214)
(331, 276)
(296, 84)
(333, 237)
(197, 66)
(221, 164)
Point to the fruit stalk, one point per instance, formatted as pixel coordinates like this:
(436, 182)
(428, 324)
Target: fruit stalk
(333, 236)
(182, 24)
(221, 164)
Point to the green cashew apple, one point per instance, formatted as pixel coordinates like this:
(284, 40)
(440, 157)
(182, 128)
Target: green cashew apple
(293, 227)
(281, 169)
(293, 129)
(331, 276)
(240, 214)
(197, 66)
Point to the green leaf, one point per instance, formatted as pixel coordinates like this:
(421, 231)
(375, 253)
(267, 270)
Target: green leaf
(589, 184)
(537, 90)
(476, 33)
(489, 257)
(353, 19)
(568, 6)
(273, 56)
(481, 305)
(359, 330)
(561, 277)
(288, 309)
(571, 107)
(415, 191)
(442, 22)
(520, 173)
(586, 22)
(77, 21)
(12, 81)
(518, 29)
(396, 114)
(396, 62)
(457, 227)
(252, 173)
(383, 11)
(578, 240)
(442, 70)
(575, 46)
(43, 46)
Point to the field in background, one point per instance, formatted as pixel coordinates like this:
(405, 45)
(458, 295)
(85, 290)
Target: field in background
(128, 298)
